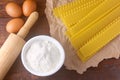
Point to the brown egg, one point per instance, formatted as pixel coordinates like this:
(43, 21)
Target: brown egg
(28, 7)
(13, 9)
(14, 25)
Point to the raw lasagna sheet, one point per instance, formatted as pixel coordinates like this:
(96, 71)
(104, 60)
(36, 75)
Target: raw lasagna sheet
(72, 62)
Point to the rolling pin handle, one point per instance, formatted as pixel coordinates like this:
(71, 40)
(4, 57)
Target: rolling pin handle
(27, 26)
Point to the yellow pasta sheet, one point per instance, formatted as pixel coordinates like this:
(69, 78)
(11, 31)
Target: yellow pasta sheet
(100, 40)
(82, 36)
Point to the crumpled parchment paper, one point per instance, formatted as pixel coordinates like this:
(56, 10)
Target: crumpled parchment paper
(72, 62)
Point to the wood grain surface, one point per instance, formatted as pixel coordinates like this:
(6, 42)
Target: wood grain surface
(107, 70)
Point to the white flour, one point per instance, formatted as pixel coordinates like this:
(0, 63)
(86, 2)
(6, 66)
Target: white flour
(43, 56)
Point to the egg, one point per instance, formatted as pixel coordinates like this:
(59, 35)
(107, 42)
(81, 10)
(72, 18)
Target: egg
(28, 7)
(13, 9)
(14, 25)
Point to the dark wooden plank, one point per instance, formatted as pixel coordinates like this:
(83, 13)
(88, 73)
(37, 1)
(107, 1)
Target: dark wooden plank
(3, 33)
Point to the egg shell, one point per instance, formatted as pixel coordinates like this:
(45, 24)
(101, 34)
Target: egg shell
(13, 9)
(28, 7)
(14, 25)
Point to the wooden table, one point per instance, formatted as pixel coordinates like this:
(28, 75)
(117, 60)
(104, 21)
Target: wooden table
(107, 69)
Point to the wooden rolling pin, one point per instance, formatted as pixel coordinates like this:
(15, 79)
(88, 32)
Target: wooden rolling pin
(13, 45)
